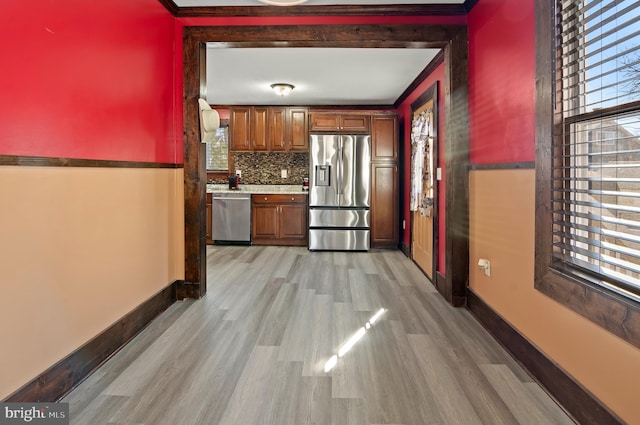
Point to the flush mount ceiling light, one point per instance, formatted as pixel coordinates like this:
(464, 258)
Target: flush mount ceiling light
(283, 2)
(282, 89)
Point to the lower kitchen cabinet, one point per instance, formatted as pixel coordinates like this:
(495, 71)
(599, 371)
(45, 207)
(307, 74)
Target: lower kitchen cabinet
(384, 205)
(208, 219)
(279, 219)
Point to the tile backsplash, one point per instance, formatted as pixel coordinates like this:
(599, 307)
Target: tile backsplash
(266, 167)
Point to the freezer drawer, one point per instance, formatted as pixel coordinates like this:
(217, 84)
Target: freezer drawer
(338, 218)
(338, 240)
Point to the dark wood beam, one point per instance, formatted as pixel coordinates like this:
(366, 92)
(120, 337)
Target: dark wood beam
(310, 10)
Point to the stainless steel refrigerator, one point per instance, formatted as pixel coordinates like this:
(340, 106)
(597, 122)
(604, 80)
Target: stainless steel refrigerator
(339, 192)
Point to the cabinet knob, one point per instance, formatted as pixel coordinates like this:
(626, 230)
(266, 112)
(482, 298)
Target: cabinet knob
(292, 198)
(265, 198)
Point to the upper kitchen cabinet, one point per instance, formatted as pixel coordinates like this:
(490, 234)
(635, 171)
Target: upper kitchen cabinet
(384, 137)
(248, 127)
(288, 129)
(339, 121)
(272, 128)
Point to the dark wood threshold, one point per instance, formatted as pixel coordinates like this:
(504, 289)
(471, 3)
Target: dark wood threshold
(42, 161)
(57, 381)
(583, 406)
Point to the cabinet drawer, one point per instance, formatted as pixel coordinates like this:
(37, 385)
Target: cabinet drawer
(278, 198)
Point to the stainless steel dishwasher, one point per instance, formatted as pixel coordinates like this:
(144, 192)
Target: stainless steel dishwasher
(231, 217)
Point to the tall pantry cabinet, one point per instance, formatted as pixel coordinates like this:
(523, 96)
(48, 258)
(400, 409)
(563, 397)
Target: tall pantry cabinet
(384, 181)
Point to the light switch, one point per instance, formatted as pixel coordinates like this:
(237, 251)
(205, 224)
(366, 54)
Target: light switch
(438, 173)
(239, 173)
(283, 174)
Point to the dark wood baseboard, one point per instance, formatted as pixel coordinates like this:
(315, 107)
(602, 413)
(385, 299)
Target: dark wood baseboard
(188, 290)
(64, 376)
(585, 408)
(406, 250)
(440, 282)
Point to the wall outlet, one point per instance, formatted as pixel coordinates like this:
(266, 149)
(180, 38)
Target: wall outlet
(239, 173)
(283, 174)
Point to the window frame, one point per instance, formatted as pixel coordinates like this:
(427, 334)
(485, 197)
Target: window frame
(222, 175)
(579, 292)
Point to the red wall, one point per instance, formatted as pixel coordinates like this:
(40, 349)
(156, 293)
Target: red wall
(502, 81)
(405, 116)
(88, 79)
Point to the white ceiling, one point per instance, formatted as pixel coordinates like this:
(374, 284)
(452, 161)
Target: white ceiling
(321, 76)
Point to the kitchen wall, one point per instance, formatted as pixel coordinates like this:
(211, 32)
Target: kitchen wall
(80, 247)
(502, 209)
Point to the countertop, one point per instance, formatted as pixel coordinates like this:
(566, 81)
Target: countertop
(258, 188)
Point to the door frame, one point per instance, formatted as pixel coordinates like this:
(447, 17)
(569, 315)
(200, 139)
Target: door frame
(452, 39)
(429, 95)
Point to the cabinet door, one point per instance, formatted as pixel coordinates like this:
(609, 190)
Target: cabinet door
(208, 219)
(384, 205)
(293, 221)
(259, 127)
(298, 129)
(277, 129)
(264, 222)
(384, 138)
(240, 128)
(356, 123)
(320, 121)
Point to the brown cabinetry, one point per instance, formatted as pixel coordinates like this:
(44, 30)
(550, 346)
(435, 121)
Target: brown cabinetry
(288, 129)
(267, 128)
(279, 219)
(342, 122)
(384, 137)
(248, 128)
(208, 219)
(385, 206)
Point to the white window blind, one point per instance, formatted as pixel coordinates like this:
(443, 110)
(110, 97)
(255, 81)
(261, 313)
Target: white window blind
(218, 150)
(596, 155)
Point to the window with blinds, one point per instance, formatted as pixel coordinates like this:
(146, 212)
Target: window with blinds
(218, 150)
(596, 154)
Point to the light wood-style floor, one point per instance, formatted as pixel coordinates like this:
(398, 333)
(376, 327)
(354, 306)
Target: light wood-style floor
(254, 349)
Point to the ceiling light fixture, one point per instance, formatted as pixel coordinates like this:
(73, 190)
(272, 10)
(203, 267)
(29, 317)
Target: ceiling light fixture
(282, 89)
(283, 2)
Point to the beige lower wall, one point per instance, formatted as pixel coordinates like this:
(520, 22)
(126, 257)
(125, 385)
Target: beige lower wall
(79, 249)
(502, 229)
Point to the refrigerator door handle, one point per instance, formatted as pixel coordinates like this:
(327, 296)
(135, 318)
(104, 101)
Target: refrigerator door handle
(341, 170)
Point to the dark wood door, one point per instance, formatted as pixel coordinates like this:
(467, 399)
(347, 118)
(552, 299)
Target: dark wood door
(355, 123)
(277, 128)
(240, 128)
(298, 129)
(264, 222)
(293, 221)
(384, 205)
(320, 121)
(384, 138)
(259, 128)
